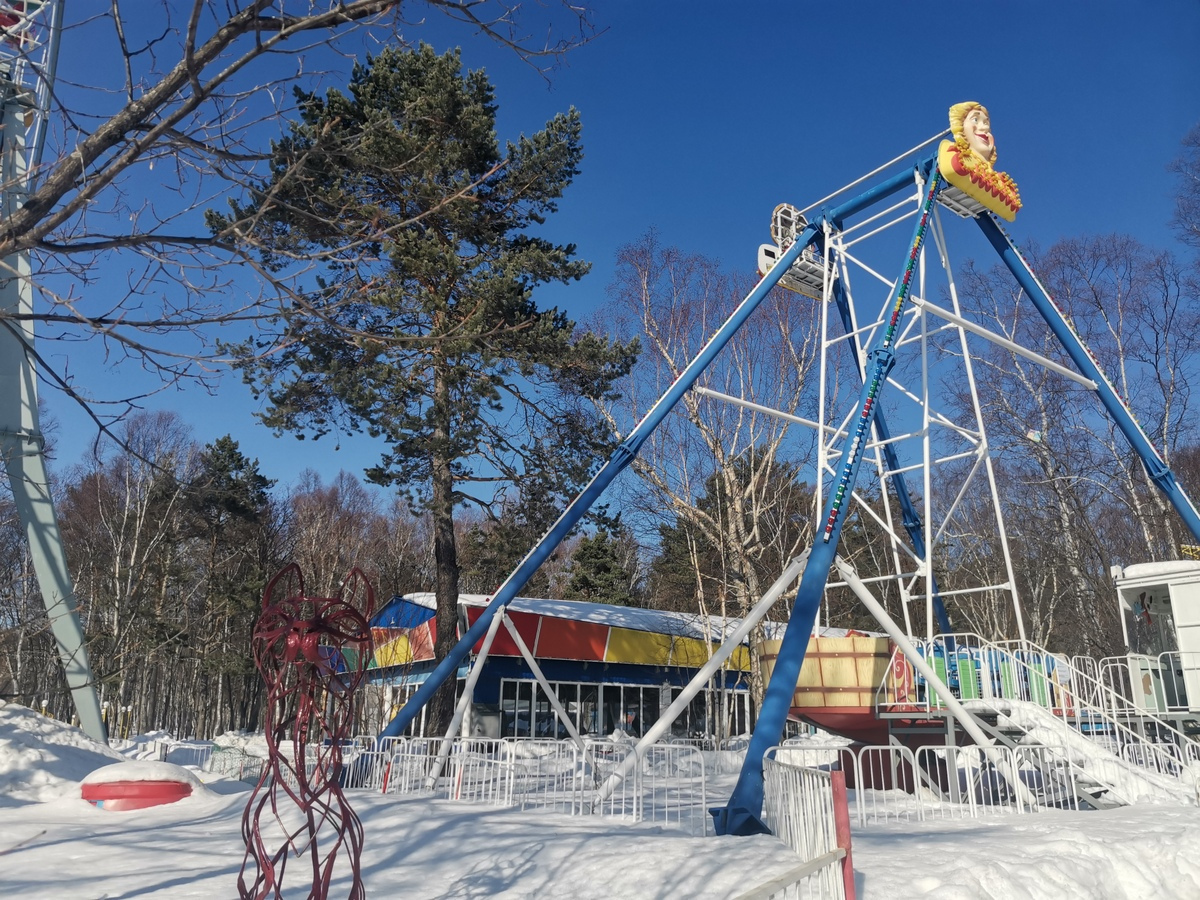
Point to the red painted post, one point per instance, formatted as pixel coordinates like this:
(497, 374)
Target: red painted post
(841, 819)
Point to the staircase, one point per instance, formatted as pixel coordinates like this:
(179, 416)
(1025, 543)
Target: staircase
(1086, 741)
(1081, 768)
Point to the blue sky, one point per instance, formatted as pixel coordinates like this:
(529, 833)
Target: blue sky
(700, 117)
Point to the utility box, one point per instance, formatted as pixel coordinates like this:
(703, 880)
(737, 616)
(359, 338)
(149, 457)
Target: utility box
(1160, 619)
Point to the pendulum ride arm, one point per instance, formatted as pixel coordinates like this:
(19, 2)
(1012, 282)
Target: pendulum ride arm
(908, 510)
(1158, 471)
(742, 814)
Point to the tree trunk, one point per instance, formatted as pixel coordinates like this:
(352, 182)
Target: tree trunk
(445, 555)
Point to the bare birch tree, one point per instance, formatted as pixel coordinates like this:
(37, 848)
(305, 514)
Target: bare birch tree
(1079, 497)
(673, 301)
(1187, 200)
(124, 526)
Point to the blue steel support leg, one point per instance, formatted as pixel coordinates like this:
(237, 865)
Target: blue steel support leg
(1113, 404)
(742, 815)
(908, 510)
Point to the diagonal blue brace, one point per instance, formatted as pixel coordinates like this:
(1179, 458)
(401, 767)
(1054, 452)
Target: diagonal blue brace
(743, 813)
(1111, 400)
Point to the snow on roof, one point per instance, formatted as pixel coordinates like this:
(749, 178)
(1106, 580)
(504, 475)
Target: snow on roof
(656, 621)
(1159, 569)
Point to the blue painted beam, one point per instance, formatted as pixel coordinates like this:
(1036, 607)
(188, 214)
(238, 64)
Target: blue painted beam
(868, 198)
(743, 813)
(1158, 471)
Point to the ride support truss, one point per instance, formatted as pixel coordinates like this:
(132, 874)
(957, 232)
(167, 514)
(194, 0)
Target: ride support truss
(29, 37)
(862, 438)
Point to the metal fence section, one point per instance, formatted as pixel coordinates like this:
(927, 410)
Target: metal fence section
(481, 772)
(547, 774)
(674, 788)
(667, 785)
(412, 761)
(1087, 698)
(601, 759)
(884, 780)
(893, 784)
(371, 742)
(1165, 759)
(234, 763)
(800, 884)
(970, 782)
(1050, 775)
(1191, 755)
(799, 807)
(364, 769)
(188, 754)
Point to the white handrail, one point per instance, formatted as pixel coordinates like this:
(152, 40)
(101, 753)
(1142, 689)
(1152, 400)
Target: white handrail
(792, 877)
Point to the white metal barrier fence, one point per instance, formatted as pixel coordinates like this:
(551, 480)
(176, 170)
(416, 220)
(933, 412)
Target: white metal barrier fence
(895, 784)
(188, 754)
(667, 786)
(800, 808)
(1091, 698)
(235, 763)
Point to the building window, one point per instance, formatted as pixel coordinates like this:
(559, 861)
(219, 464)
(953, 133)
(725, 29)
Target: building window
(601, 709)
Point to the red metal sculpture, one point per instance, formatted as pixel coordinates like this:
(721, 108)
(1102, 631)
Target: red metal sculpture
(312, 653)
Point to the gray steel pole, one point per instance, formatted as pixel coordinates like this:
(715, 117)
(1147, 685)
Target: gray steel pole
(21, 436)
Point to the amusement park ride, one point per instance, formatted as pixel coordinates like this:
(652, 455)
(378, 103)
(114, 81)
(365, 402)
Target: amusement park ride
(875, 259)
(900, 338)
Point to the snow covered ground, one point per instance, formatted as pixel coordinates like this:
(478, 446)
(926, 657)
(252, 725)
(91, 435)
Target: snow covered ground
(55, 845)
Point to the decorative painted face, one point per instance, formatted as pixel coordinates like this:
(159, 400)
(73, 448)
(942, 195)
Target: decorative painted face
(977, 129)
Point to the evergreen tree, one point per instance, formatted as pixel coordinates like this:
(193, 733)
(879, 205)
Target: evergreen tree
(230, 490)
(601, 571)
(437, 347)
(229, 509)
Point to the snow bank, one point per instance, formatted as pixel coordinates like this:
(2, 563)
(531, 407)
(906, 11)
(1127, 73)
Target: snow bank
(44, 759)
(461, 849)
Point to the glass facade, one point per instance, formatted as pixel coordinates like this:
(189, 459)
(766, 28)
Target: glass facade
(601, 709)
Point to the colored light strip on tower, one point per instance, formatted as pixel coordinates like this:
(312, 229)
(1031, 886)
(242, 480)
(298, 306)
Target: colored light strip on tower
(879, 369)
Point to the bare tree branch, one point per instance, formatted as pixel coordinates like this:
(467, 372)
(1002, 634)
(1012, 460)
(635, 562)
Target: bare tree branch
(131, 168)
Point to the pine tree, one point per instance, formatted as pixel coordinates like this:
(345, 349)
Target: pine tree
(601, 571)
(424, 331)
(229, 510)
